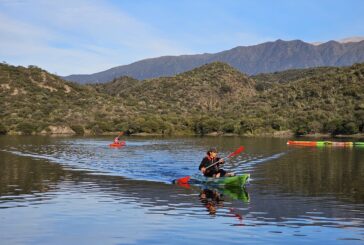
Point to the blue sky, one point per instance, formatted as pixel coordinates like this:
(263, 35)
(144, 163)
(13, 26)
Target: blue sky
(87, 36)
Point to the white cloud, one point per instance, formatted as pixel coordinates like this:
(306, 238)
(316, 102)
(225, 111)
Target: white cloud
(76, 37)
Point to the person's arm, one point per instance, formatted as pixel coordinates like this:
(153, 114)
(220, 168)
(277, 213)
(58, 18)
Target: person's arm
(220, 160)
(202, 166)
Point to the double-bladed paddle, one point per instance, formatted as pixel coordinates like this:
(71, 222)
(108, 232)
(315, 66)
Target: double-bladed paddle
(240, 149)
(185, 179)
(120, 134)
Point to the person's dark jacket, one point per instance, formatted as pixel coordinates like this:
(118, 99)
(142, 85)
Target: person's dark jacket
(206, 162)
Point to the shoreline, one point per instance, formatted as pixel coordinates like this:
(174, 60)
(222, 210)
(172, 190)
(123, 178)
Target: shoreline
(278, 134)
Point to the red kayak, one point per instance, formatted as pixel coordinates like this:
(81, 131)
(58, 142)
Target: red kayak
(304, 143)
(120, 144)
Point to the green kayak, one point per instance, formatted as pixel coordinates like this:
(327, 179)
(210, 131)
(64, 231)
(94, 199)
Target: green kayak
(238, 180)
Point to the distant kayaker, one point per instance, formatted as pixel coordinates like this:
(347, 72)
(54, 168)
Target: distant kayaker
(210, 165)
(116, 140)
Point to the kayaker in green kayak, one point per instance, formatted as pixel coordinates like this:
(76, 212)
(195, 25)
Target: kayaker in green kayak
(210, 165)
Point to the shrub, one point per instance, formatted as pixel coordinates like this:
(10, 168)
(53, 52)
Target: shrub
(78, 129)
(332, 126)
(229, 127)
(302, 130)
(350, 128)
(224, 89)
(315, 126)
(213, 125)
(26, 128)
(105, 126)
(200, 128)
(3, 129)
(249, 125)
(277, 123)
(96, 129)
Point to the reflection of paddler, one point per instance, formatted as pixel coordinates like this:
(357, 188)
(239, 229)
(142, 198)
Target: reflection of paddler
(211, 206)
(211, 199)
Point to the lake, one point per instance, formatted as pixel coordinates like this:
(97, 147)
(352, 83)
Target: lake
(78, 190)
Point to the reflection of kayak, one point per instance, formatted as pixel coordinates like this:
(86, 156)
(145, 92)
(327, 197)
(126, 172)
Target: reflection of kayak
(121, 144)
(235, 181)
(324, 143)
(235, 193)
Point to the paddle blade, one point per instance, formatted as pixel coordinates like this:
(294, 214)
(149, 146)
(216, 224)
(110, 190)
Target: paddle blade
(183, 180)
(240, 149)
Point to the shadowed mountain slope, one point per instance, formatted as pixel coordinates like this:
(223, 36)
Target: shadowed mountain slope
(263, 58)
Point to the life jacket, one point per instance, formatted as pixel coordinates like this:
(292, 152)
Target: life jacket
(215, 167)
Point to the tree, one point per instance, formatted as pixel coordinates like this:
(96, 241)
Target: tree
(315, 127)
(3, 129)
(26, 128)
(229, 126)
(350, 128)
(78, 129)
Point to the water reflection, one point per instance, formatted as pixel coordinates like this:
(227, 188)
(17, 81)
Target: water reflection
(25, 180)
(312, 193)
(213, 198)
(317, 172)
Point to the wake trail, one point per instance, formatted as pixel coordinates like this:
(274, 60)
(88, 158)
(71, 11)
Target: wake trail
(248, 165)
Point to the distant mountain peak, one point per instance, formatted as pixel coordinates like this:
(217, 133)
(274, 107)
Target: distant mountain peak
(352, 39)
(344, 40)
(266, 57)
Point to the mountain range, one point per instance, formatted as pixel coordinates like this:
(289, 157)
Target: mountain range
(262, 58)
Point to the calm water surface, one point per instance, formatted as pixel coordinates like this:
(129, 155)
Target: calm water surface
(71, 190)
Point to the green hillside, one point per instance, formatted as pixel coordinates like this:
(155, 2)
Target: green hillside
(329, 100)
(294, 74)
(32, 99)
(212, 98)
(204, 90)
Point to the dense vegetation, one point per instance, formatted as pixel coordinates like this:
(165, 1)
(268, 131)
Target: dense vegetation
(32, 99)
(211, 98)
(328, 100)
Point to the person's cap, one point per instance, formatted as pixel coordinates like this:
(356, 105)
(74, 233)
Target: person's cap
(213, 149)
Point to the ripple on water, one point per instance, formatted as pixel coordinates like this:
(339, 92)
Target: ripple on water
(91, 193)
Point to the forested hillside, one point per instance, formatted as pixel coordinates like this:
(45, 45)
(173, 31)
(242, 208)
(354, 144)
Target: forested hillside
(211, 98)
